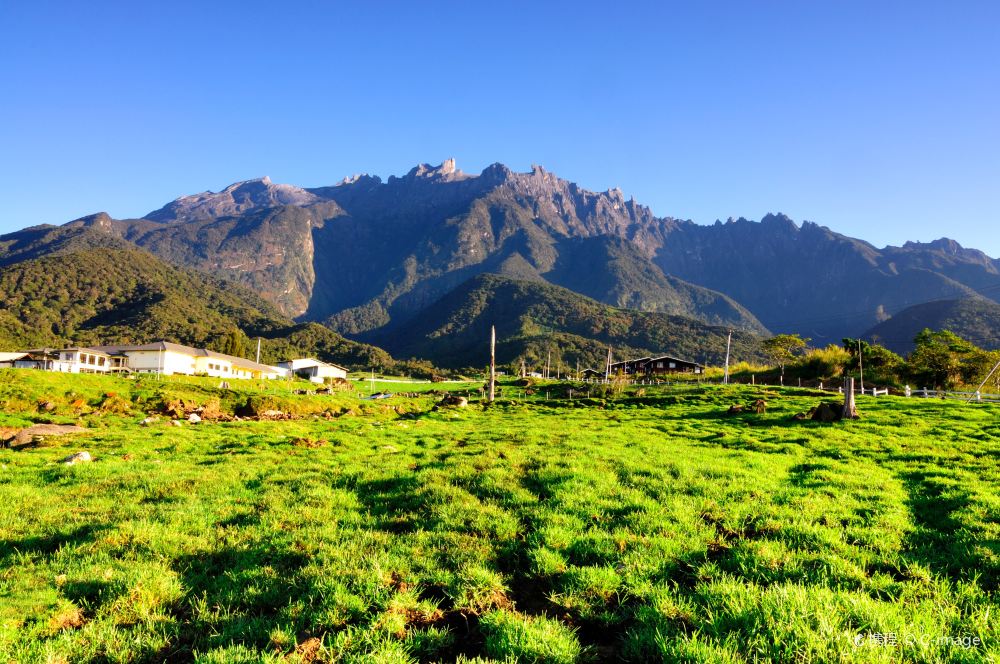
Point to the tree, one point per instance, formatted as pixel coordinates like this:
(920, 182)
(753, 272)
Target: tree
(783, 348)
(938, 357)
(235, 343)
(881, 362)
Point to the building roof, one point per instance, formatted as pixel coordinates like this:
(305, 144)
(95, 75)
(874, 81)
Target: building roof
(305, 362)
(10, 357)
(188, 350)
(674, 359)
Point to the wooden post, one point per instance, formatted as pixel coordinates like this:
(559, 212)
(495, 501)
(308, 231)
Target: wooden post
(986, 380)
(607, 367)
(850, 412)
(861, 368)
(729, 341)
(493, 362)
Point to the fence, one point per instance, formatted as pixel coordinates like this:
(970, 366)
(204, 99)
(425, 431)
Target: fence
(923, 393)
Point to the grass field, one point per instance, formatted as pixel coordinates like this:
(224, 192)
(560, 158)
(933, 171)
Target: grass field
(637, 529)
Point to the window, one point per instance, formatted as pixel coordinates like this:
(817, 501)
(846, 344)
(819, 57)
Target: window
(659, 365)
(673, 365)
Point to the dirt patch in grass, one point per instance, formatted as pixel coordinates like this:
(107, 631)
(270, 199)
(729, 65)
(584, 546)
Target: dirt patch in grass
(69, 617)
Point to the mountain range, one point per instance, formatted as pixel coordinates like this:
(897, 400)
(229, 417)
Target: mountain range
(373, 259)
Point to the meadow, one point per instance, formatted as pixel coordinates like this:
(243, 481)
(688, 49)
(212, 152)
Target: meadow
(648, 526)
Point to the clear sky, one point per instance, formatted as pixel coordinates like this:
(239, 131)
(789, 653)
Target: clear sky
(878, 119)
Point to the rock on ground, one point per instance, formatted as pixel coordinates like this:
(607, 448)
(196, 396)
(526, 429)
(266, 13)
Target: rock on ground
(454, 400)
(79, 457)
(39, 431)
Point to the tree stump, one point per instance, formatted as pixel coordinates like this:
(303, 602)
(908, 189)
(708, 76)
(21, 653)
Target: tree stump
(850, 411)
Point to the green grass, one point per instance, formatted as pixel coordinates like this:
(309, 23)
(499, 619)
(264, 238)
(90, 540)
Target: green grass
(637, 529)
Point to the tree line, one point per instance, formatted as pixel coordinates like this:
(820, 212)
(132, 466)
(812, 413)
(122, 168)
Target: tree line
(940, 360)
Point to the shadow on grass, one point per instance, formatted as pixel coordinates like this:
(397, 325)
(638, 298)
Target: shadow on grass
(941, 541)
(247, 590)
(398, 504)
(49, 544)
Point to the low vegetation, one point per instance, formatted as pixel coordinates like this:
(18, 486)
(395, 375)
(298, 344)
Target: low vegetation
(630, 526)
(939, 360)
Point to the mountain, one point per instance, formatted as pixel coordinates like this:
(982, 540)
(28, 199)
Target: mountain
(533, 318)
(365, 253)
(974, 319)
(81, 286)
(233, 201)
(810, 280)
(364, 256)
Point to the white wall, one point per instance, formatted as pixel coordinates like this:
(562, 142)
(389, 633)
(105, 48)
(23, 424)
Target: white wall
(167, 362)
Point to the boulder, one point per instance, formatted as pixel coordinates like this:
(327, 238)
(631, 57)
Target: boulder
(79, 457)
(34, 434)
(454, 400)
(194, 418)
(150, 421)
(826, 412)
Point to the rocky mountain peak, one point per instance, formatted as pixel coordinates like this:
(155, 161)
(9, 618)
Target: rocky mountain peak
(100, 221)
(779, 220)
(233, 200)
(445, 171)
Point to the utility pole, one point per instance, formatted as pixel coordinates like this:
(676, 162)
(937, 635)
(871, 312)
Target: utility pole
(258, 350)
(372, 390)
(493, 361)
(607, 367)
(861, 367)
(548, 362)
(729, 342)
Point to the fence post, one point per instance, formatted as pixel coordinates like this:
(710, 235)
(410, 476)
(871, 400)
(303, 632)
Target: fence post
(979, 395)
(907, 390)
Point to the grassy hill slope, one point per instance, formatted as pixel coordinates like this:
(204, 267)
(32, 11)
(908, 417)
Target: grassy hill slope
(88, 288)
(532, 318)
(974, 319)
(537, 530)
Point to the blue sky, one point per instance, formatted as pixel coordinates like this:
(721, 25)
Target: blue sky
(879, 120)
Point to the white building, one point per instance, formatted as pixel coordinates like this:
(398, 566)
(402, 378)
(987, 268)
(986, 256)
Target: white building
(168, 358)
(10, 360)
(161, 357)
(313, 370)
(84, 360)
